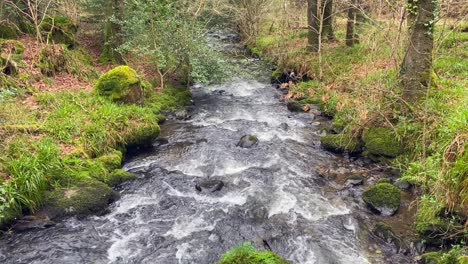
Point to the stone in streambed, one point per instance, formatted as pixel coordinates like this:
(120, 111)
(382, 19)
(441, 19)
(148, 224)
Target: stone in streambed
(31, 222)
(341, 143)
(85, 198)
(248, 141)
(385, 232)
(209, 186)
(383, 198)
(355, 180)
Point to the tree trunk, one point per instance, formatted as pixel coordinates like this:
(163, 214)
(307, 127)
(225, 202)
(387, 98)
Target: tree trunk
(327, 6)
(351, 35)
(416, 69)
(313, 25)
(112, 33)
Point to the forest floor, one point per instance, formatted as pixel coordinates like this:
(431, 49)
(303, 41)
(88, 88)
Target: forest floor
(359, 87)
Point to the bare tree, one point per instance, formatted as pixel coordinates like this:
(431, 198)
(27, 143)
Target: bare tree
(313, 26)
(34, 10)
(351, 35)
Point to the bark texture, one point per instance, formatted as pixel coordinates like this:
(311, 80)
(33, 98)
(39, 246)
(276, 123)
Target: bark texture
(416, 69)
(327, 6)
(313, 25)
(351, 35)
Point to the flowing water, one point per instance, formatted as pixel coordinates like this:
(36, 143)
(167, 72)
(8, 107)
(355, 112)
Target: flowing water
(274, 195)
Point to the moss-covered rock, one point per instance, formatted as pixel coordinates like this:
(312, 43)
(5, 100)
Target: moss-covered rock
(8, 31)
(385, 232)
(85, 198)
(119, 176)
(295, 106)
(383, 180)
(112, 160)
(11, 54)
(341, 143)
(248, 254)
(383, 198)
(380, 141)
(59, 30)
(53, 59)
(122, 84)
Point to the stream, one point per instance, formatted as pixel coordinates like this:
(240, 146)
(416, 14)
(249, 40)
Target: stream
(285, 193)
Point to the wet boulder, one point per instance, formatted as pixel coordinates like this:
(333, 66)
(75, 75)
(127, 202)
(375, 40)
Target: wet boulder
(31, 222)
(381, 142)
(182, 114)
(355, 180)
(383, 198)
(209, 186)
(248, 141)
(403, 185)
(122, 84)
(341, 143)
(85, 198)
(385, 232)
(295, 106)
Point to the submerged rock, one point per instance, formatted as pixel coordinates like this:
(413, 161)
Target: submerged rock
(248, 141)
(355, 180)
(31, 222)
(383, 198)
(295, 106)
(85, 198)
(209, 186)
(385, 232)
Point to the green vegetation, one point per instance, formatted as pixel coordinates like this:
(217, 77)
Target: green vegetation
(341, 143)
(248, 254)
(8, 31)
(381, 142)
(54, 145)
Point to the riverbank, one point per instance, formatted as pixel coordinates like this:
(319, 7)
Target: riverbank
(359, 88)
(62, 144)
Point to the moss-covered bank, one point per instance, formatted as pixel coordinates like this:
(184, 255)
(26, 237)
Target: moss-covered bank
(64, 152)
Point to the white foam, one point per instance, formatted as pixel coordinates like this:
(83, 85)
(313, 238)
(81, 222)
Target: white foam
(186, 225)
(121, 249)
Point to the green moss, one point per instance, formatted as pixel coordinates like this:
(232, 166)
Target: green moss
(338, 125)
(59, 30)
(383, 197)
(341, 143)
(84, 198)
(381, 142)
(11, 46)
(253, 138)
(383, 180)
(8, 31)
(431, 258)
(119, 176)
(295, 106)
(111, 160)
(121, 84)
(248, 254)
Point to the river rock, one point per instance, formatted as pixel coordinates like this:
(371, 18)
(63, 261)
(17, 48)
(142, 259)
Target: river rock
(31, 222)
(209, 186)
(248, 141)
(355, 180)
(182, 114)
(383, 198)
(403, 185)
(385, 232)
